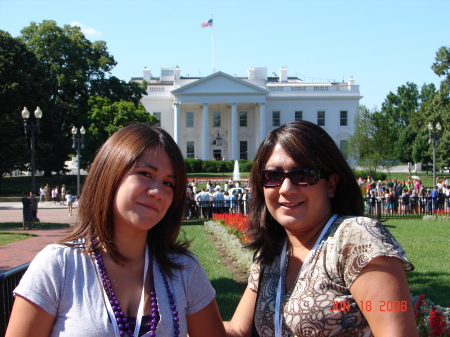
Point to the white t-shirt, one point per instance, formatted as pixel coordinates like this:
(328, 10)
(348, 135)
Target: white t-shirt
(63, 281)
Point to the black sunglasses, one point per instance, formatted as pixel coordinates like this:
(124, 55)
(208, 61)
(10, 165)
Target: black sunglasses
(307, 176)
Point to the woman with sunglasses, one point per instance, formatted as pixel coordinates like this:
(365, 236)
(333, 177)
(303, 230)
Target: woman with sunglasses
(122, 271)
(321, 269)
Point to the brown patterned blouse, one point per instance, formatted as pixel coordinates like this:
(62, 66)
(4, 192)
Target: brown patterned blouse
(320, 303)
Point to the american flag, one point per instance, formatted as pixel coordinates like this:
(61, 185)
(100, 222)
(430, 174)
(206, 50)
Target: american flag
(208, 23)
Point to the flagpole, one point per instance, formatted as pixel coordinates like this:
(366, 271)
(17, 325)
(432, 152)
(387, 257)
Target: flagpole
(213, 67)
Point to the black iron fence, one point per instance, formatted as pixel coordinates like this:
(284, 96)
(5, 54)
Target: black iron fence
(196, 210)
(8, 281)
(406, 207)
(374, 207)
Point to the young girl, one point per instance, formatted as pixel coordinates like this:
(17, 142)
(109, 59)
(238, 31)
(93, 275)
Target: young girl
(69, 199)
(122, 271)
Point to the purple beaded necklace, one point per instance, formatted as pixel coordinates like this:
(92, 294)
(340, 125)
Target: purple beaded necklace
(122, 321)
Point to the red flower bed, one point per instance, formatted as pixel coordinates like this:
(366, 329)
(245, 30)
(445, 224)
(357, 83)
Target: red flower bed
(430, 321)
(235, 223)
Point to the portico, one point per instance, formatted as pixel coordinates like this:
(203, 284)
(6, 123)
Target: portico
(228, 111)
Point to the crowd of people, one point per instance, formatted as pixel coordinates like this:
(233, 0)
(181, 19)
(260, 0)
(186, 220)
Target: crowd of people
(54, 195)
(202, 203)
(406, 196)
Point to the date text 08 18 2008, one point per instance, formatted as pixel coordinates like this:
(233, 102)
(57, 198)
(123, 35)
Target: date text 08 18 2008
(369, 306)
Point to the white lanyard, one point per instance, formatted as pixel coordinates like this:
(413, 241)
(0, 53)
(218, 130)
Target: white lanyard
(141, 304)
(278, 318)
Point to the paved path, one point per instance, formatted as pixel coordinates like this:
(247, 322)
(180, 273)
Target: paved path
(21, 252)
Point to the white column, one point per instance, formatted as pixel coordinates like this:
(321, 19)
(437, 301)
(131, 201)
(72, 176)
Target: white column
(176, 122)
(205, 131)
(262, 122)
(234, 133)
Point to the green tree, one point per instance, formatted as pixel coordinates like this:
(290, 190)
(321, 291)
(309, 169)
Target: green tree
(76, 69)
(436, 108)
(71, 63)
(105, 118)
(441, 66)
(21, 78)
(361, 146)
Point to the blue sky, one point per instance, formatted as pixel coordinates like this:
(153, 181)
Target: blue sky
(382, 44)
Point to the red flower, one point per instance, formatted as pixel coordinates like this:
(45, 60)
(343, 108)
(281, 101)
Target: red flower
(436, 323)
(417, 311)
(235, 223)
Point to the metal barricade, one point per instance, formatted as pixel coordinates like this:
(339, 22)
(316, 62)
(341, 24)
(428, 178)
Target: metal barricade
(8, 282)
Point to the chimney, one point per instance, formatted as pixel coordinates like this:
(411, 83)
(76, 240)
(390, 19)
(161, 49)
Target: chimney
(283, 74)
(147, 74)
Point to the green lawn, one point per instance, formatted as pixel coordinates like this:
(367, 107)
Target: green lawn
(37, 225)
(9, 237)
(427, 245)
(228, 291)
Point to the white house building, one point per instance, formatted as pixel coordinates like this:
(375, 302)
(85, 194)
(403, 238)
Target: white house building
(226, 117)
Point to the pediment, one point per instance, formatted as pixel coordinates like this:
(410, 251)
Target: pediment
(219, 83)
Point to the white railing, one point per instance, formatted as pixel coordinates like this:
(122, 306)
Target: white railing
(277, 88)
(290, 87)
(155, 89)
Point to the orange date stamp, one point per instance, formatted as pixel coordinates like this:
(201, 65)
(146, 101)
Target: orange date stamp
(369, 306)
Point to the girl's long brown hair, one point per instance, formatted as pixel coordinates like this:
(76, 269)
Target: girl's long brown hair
(95, 209)
(310, 146)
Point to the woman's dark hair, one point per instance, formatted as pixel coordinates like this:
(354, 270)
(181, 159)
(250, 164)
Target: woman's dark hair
(113, 160)
(309, 146)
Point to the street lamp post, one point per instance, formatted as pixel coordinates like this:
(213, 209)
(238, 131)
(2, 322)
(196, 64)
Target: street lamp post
(77, 143)
(434, 139)
(32, 128)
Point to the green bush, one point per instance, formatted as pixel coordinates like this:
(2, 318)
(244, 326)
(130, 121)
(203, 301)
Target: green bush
(216, 166)
(209, 166)
(365, 173)
(193, 165)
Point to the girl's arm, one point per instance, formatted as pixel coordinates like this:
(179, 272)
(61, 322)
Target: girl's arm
(206, 322)
(241, 323)
(29, 320)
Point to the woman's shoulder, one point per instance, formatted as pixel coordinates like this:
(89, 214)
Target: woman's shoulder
(187, 260)
(354, 225)
(58, 250)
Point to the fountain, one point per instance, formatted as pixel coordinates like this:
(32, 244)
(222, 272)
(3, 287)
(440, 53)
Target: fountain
(236, 174)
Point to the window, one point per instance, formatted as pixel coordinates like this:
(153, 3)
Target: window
(321, 118)
(275, 118)
(298, 115)
(243, 150)
(167, 72)
(343, 146)
(344, 118)
(243, 118)
(190, 150)
(216, 119)
(158, 115)
(190, 120)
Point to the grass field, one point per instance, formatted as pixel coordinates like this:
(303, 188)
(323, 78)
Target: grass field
(228, 291)
(427, 245)
(9, 237)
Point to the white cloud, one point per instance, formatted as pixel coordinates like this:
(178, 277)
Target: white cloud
(86, 30)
